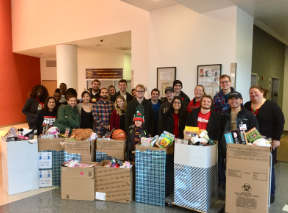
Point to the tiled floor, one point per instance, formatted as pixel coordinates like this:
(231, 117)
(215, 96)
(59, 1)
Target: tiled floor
(48, 200)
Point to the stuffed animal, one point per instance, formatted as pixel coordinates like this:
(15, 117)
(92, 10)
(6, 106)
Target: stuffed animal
(81, 134)
(202, 138)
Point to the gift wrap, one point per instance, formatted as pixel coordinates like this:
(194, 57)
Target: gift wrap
(196, 176)
(100, 156)
(154, 175)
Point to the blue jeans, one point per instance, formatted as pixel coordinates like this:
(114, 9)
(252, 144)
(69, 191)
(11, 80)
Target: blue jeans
(273, 184)
(222, 169)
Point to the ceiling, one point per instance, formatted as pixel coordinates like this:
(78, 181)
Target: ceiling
(269, 15)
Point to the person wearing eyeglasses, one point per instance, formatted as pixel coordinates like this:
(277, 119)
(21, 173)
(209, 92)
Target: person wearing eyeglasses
(174, 119)
(142, 105)
(220, 100)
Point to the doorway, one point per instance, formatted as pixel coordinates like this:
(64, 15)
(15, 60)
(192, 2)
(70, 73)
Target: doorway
(51, 85)
(275, 89)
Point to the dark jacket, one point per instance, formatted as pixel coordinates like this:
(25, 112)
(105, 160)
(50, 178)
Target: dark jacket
(49, 117)
(185, 99)
(131, 135)
(168, 124)
(129, 97)
(148, 115)
(115, 120)
(158, 100)
(271, 121)
(244, 116)
(162, 110)
(30, 109)
(213, 126)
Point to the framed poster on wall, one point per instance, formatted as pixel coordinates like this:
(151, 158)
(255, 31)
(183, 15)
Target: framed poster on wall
(165, 78)
(208, 77)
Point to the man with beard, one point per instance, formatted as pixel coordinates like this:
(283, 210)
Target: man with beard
(177, 86)
(95, 90)
(101, 111)
(205, 118)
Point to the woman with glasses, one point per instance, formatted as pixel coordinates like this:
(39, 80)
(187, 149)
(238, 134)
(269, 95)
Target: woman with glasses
(174, 119)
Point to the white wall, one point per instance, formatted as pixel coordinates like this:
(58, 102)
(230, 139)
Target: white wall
(285, 90)
(43, 23)
(127, 67)
(182, 38)
(244, 44)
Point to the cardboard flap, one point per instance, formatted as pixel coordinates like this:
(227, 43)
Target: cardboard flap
(77, 147)
(168, 150)
(196, 156)
(77, 172)
(244, 154)
(50, 144)
(113, 148)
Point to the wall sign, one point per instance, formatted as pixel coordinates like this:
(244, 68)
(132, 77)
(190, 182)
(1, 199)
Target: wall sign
(104, 73)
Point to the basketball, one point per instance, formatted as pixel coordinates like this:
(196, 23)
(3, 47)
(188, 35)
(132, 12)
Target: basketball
(119, 134)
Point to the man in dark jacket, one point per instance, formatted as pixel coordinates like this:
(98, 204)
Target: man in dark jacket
(156, 103)
(205, 118)
(235, 117)
(122, 85)
(177, 86)
(142, 105)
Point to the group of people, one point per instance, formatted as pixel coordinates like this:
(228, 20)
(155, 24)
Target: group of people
(105, 109)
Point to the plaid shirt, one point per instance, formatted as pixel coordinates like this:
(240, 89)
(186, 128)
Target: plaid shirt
(102, 112)
(219, 103)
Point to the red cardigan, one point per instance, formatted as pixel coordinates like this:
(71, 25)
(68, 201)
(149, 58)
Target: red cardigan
(191, 105)
(114, 120)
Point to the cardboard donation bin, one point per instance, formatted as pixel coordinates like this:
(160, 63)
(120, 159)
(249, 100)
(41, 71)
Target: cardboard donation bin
(113, 184)
(85, 148)
(108, 149)
(247, 178)
(196, 176)
(19, 166)
(77, 183)
(51, 175)
(154, 174)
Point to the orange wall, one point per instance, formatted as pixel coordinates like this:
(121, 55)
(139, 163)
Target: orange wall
(18, 73)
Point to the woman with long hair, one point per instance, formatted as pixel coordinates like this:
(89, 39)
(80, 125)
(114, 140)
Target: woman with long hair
(46, 116)
(34, 103)
(271, 122)
(199, 92)
(174, 119)
(85, 110)
(117, 119)
(111, 91)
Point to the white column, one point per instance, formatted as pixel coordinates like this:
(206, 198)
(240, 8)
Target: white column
(67, 65)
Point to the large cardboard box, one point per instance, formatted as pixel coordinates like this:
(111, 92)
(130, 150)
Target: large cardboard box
(113, 184)
(247, 178)
(85, 148)
(19, 166)
(196, 176)
(113, 148)
(77, 183)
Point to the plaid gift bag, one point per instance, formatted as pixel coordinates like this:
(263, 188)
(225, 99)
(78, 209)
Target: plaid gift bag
(102, 156)
(154, 176)
(59, 157)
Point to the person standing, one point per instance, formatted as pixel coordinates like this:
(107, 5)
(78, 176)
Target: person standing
(174, 119)
(122, 85)
(169, 93)
(101, 111)
(235, 117)
(140, 104)
(205, 118)
(57, 97)
(220, 100)
(34, 103)
(117, 119)
(85, 110)
(111, 91)
(95, 90)
(195, 102)
(177, 86)
(271, 123)
(63, 88)
(46, 116)
(156, 103)
(68, 116)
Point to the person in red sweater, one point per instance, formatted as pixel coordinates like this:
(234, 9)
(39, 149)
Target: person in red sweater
(117, 119)
(199, 92)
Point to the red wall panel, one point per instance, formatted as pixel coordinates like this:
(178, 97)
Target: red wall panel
(18, 73)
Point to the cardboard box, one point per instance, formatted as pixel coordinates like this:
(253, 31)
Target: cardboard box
(77, 183)
(247, 178)
(50, 144)
(19, 166)
(113, 148)
(85, 148)
(196, 176)
(113, 184)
